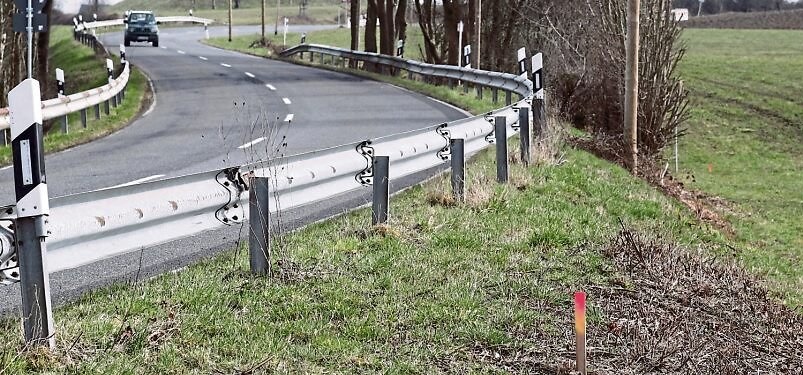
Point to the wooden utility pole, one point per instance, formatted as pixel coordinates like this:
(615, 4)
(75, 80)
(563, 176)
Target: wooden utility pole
(479, 33)
(229, 20)
(276, 30)
(631, 81)
(263, 21)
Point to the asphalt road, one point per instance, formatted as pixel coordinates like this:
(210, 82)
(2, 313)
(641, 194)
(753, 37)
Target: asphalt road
(211, 106)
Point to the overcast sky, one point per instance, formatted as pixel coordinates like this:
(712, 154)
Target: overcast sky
(72, 6)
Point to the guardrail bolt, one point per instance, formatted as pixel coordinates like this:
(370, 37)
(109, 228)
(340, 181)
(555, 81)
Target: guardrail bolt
(524, 135)
(500, 131)
(458, 169)
(259, 221)
(381, 196)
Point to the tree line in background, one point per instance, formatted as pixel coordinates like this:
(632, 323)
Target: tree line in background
(722, 6)
(583, 43)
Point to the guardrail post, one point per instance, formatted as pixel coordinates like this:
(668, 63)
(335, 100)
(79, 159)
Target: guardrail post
(106, 107)
(500, 131)
(480, 89)
(311, 56)
(495, 94)
(381, 199)
(97, 111)
(465, 87)
(5, 136)
(451, 83)
(83, 118)
(65, 126)
(259, 222)
(458, 169)
(508, 98)
(32, 209)
(524, 135)
(410, 75)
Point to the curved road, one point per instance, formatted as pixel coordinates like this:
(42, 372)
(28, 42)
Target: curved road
(212, 109)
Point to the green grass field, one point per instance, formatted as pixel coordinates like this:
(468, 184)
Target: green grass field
(83, 70)
(745, 142)
(477, 287)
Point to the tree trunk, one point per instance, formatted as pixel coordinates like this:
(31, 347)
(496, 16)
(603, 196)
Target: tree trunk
(370, 27)
(354, 13)
(451, 15)
(401, 20)
(42, 49)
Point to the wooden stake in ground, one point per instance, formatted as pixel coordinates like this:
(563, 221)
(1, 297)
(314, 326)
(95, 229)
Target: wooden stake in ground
(229, 20)
(580, 330)
(263, 22)
(631, 81)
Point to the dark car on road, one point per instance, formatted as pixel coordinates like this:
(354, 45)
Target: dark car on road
(141, 26)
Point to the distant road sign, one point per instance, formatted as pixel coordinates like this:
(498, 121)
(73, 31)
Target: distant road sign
(39, 22)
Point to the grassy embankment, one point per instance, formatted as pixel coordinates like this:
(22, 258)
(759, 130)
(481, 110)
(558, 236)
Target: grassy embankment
(745, 142)
(483, 286)
(746, 123)
(83, 71)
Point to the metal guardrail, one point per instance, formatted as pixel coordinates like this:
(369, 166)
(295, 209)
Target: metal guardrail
(84, 228)
(503, 81)
(57, 107)
(119, 22)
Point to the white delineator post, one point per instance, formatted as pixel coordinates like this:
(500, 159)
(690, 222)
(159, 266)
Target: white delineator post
(33, 207)
(285, 31)
(65, 126)
(521, 57)
(459, 43)
(538, 106)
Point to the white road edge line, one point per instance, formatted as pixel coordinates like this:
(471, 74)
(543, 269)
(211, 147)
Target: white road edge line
(249, 144)
(289, 117)
(202, 58)
(249, 74)
(286, 101)
(181, 52)
(270, 87)
(6, 167)
(226, 65)
(153, 102)
(139, 181)
(163, 47)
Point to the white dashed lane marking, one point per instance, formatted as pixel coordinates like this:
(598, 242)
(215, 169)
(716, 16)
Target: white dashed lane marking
(139, 181)
(286, 101)
(202, 58)
(226, 65)
(249, 144)
(249, 74)
(270, 87)
(180, 52)
(289, 117)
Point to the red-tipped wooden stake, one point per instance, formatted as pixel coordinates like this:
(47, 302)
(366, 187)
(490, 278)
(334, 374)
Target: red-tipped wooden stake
(580, 329)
